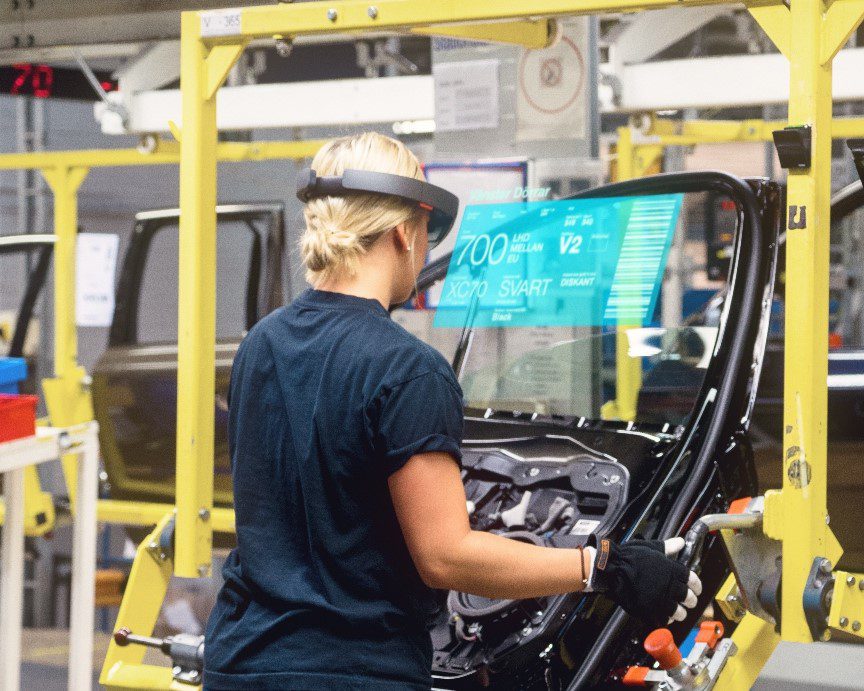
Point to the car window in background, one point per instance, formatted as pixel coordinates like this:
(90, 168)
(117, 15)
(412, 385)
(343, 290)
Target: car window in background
(157, 303)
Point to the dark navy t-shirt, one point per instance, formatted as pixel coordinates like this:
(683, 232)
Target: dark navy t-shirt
(328, 397)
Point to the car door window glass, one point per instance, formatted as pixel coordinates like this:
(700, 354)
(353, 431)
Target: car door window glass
(157, 307)
(649, 372)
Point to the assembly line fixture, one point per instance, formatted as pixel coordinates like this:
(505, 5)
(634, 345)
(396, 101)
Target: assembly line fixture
(67, 396)
(808, 32)
(639, 149)
(67, 393)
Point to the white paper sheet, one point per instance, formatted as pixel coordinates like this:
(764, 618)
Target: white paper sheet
(466, 95)
(96, 263)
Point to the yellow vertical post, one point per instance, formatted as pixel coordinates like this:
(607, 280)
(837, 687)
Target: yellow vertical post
(67, 396)
(625, 154)
(202, 71)
(196, 309)
(804, 501)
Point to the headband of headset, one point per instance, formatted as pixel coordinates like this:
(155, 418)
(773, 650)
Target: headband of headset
(442, 205)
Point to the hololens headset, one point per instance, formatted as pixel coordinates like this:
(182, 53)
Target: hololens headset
(441, 204)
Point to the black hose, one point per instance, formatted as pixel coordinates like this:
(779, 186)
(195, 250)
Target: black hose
(592, 660)
(693, 542)
(25, 313)
(684, 503)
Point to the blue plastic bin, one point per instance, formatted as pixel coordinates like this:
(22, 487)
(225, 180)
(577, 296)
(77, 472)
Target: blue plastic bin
(12, 371)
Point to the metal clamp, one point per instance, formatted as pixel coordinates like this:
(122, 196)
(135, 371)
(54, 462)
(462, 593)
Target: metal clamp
(817, 597)
(185, 650)
(847, 603)
(699, 671)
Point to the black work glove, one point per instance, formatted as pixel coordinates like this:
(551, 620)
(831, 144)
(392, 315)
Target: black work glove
(640, 576)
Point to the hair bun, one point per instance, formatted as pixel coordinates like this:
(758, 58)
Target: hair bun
(339, 230)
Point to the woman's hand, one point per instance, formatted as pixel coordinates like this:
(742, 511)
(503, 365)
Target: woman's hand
(640, 576)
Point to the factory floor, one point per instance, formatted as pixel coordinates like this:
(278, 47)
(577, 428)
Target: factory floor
(44, 658)
(792, 667)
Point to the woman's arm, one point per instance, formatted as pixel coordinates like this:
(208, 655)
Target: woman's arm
(429, 500)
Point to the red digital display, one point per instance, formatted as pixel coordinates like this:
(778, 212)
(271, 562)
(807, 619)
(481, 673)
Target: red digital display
(44, 81)
(33, 79)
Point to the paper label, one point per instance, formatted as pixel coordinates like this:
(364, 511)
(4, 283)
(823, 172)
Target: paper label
(96, 261)
(220, 23)
(584, 527)
(466, 95)
(552, 94)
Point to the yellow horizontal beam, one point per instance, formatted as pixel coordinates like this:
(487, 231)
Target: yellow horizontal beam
(692, 132)
(165, 153)
(528, 34)
(396, 15)
(266, 151)
(150, 513)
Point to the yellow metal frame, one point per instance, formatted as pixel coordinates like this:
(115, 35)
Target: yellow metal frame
(68, 397)
(661, 133)
(847, 610)
(151, 571)
(39, 514)
(67, 394)
(847, 604)
(808, 32)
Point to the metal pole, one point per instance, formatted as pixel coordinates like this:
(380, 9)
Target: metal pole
(806, 533)
(197, 308)
(628, 370)
(12, 583)
(64, 182)
(81, 615)
(66, 397)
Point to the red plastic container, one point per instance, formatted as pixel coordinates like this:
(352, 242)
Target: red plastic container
(17, 416)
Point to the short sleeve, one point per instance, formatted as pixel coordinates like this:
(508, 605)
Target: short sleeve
(420, 415)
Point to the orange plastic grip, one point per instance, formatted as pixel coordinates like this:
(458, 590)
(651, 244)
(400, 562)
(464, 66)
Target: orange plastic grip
(661, 646)
(635, 676)
(739, 505)
(710, 632)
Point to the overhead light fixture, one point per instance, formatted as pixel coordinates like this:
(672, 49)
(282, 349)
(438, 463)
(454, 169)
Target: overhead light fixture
(414, 127)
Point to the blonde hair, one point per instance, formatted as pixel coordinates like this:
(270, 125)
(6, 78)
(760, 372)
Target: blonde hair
(339, 230)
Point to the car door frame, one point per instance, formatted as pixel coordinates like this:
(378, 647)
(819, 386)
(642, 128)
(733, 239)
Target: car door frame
(265, 297)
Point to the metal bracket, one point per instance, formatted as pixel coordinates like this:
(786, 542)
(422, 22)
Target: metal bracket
(755, 558)
(728, 599)
(793, 146)
(818, 593)
(847, 603)
(163, 548)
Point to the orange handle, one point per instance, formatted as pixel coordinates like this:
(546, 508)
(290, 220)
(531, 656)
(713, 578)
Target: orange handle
(661, 646)
(710, 632)
(636, 676)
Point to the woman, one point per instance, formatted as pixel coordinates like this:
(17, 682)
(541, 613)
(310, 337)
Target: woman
(345, 435)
